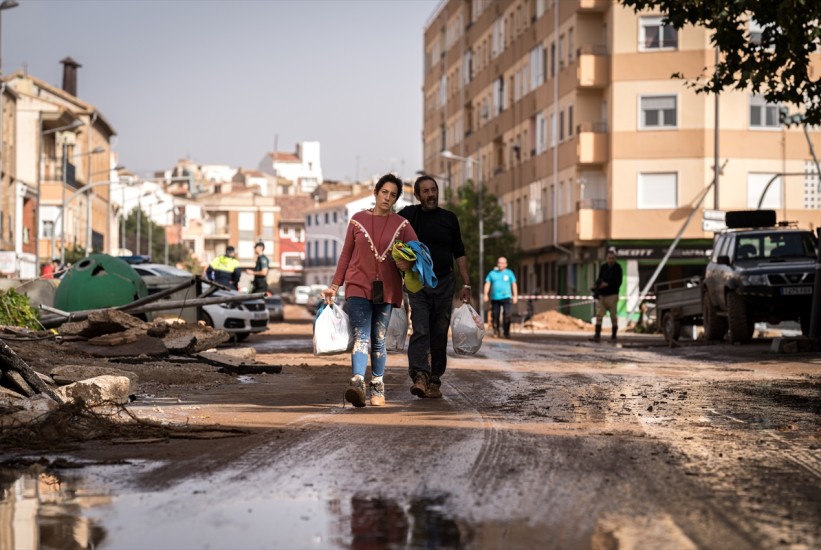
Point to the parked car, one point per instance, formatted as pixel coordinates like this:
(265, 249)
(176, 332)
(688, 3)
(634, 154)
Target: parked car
(302, 295)
(240, 319)
(276, 308)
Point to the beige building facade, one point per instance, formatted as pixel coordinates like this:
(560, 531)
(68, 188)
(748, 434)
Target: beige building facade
(566, 111)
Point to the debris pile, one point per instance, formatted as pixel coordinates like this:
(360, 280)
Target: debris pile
(554, 320)
(74, 385)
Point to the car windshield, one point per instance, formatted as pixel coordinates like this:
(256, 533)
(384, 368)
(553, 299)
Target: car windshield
(781, 244)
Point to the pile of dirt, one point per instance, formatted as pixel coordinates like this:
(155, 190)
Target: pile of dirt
(554, 320)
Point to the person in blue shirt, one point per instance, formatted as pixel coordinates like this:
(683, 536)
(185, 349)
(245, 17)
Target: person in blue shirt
(501, 291)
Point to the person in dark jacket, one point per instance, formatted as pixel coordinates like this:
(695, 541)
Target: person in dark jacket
(607, 287)
(225, 269)
(260, 271)
(431, 308)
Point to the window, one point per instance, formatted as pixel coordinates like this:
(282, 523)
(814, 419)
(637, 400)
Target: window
(561, 126)
(657, 36)
(763, 114)
(756, 30)
(755, 186)
(552, 130)
(537, 61)
(569, 121)
(48, 229)
(541, 134)
(658, 111)
(657, 191)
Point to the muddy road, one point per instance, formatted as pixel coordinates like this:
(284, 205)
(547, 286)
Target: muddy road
(543, 441)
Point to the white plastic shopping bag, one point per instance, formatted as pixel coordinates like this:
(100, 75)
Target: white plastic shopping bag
(397, 330)
(333, 332)
(466, 330)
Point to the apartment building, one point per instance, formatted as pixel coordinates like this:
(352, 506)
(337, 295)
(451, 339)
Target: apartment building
(57, 145)
(566, 111)
(302, 168)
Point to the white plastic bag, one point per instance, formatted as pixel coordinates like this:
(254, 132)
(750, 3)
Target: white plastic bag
(333, 332)
(397, 332)
(466, 330)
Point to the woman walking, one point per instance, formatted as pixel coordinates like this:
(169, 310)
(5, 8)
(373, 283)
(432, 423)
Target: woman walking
(373, 285)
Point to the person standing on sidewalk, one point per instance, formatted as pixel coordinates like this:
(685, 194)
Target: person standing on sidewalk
(500, 291)
(260, 271)
(431, 308)
(373, 286)
(607, 287)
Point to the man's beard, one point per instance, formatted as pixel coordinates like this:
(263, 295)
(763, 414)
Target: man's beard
(430, 204)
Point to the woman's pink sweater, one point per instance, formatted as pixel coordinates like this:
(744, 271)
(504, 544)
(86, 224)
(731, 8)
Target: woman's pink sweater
(366, 255)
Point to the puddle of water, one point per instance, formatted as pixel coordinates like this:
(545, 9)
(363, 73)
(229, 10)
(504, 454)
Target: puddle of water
(286, 344)
(46, 511)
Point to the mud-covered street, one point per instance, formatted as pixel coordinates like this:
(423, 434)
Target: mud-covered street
(543, 441)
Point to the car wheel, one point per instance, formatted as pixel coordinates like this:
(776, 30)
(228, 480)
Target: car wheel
(207, 319)
(806, 318)
(715, 326)
(741, 327)
(670, 327)
(241, 336)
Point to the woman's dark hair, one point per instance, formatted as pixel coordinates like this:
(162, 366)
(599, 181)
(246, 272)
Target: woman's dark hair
(419, 181)
(389, 178)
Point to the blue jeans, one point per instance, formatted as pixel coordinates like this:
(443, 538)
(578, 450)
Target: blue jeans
(431, 309)
(370, 324)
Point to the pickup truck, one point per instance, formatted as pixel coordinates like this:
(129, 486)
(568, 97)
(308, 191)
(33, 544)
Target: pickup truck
(759, 271)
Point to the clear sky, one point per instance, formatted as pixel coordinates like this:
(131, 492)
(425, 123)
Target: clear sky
(220, 82)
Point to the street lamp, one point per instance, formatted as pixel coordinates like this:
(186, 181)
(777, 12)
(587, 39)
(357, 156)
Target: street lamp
(446, 154)
(72, 126)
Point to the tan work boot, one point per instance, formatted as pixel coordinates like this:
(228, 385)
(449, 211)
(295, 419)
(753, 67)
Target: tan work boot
(434, 391)
(377, 392)
(355, 394)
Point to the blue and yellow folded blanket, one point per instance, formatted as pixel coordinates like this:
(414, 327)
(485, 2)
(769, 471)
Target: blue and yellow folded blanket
(421, 275)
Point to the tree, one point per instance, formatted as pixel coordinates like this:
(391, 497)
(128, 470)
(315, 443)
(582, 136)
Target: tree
(466, 209)
(156, 248)
(778, 65)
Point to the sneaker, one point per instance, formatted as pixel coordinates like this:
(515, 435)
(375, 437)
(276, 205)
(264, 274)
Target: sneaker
(434, 391)
(377, 392)
(420, 385)
(355, 394)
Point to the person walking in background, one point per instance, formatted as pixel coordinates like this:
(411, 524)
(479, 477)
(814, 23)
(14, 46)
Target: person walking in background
(373, 286)
(607, 287)
(431, 308)
(260, 271)
(225, 269)
(501, 291)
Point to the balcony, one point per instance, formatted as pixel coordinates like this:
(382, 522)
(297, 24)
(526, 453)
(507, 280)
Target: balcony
(591, 144)
(593, 67)
(594, 5)
(591, 219)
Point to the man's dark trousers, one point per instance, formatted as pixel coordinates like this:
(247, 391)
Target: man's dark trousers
(431, 309)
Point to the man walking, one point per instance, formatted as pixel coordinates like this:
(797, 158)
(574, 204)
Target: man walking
(500, 291)
(225, 269)
(607, 287)
(431, 308)
(260, 271)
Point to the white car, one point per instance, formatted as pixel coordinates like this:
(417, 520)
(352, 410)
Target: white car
(240, 319)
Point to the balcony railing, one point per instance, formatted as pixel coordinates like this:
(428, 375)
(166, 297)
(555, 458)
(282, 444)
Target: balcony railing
(591, 204)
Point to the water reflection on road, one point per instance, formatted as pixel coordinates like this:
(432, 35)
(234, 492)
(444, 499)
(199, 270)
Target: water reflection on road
(45, 510)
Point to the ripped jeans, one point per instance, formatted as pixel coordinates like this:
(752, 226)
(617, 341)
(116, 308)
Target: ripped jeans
(370, 324)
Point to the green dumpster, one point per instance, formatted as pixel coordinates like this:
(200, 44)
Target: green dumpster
(97, 282)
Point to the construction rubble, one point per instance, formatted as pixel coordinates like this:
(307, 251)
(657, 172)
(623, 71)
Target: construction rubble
(74, 384)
